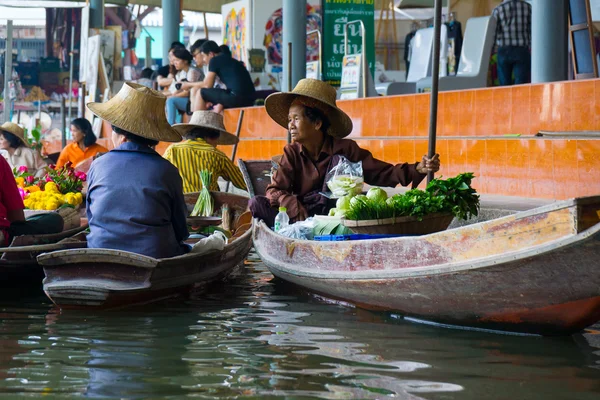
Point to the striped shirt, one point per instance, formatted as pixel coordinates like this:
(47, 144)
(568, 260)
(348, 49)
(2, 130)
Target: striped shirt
(513, 23)
(193, 156)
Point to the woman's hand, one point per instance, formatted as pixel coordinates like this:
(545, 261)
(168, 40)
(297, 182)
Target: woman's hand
(429, 164)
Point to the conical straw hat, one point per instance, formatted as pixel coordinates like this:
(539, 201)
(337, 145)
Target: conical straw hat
(208, 120)
(139, 110)
(311, 93)
(16, 130)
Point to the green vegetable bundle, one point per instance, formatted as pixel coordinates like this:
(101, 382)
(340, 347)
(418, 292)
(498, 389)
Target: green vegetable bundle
(204, 206)
(453, 195)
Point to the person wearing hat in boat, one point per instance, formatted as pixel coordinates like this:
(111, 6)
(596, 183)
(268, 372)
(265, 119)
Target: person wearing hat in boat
(16, 150)
(135, 197)
(12, 217)
(199, 152)
(317, 127)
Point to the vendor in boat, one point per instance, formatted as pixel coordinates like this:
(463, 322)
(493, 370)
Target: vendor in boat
(317, 127)
(12, 217)
(135, 197)
(84, 144)
(16, 150)
(199, 152)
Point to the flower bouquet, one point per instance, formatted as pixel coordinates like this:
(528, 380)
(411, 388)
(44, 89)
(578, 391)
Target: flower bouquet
(59, 190)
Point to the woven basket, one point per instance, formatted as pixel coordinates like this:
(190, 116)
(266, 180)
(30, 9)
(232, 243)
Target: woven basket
(69, 215)
(401, 225)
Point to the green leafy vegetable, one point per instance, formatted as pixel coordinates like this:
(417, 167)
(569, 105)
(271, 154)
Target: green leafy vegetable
(454, 195)
(204, 206)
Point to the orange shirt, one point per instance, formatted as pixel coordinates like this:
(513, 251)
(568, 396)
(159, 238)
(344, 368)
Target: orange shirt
(74, 154)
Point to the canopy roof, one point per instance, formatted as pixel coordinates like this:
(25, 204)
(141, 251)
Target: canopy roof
(212, 6)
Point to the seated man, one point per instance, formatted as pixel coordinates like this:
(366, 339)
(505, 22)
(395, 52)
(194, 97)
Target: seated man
(135, 197)
(199, 152)
(12, 218)
(317, 127)
(240, 88)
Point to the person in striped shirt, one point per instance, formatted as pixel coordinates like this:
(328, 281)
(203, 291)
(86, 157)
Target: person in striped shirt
(199, 152)
(513, 38)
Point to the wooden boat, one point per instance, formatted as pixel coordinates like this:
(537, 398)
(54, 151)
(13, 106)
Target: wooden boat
(18, 264)
(102, 278)
(535, 272)
(257, 175)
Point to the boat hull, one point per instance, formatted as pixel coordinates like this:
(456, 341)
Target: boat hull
(104, 278)
(548, 288)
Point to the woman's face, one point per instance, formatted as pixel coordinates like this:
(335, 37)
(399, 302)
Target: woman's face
(4, 144)
(179, 63)
(77, 134)
(302, 129)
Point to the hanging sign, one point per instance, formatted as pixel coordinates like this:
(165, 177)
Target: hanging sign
(351, 77)
(336, 13)
(312, 70)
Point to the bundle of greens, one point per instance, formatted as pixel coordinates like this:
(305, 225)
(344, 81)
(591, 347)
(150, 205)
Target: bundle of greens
(454, 195)
(204, 206)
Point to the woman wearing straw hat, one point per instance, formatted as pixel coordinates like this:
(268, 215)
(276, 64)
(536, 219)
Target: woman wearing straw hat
(199, 152)
(16, 150)
(135, 197)
(317, 127)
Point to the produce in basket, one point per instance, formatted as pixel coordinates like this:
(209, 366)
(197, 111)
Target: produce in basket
(452, 196)
(342, 185)
(204, 206)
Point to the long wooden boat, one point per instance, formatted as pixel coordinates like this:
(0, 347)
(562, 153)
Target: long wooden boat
(103, 278)
(18, 265)
(536, 271)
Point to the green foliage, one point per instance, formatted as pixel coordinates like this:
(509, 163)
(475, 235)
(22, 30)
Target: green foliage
(454, 195)
(35, 141)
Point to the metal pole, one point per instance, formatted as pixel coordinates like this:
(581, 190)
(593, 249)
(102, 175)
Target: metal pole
(289, 82)
(63, 123)
(294, 31)
(148, 52)
(8, 70)
(97, 14)
(71, 73)
(549, 41)
(81, 104)
(435, 63)
(171, 14)
(235, 146)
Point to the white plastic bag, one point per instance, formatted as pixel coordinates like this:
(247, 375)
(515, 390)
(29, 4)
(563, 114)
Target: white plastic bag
(216, 241)
(300, 230)
(345, 178)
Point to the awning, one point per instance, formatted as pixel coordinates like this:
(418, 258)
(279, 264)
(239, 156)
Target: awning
(209, 6)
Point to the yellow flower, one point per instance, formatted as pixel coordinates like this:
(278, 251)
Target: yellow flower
(20, 181)
(51, 187)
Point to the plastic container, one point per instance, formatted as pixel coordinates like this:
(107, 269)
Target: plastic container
(281, 220)
(353, 236)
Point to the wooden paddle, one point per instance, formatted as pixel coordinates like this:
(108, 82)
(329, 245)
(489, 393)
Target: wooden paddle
(235, 146)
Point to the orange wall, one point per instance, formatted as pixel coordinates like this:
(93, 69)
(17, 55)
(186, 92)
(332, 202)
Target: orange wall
(472, 126)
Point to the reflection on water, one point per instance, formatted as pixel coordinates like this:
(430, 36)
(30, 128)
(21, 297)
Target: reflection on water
(253, 338)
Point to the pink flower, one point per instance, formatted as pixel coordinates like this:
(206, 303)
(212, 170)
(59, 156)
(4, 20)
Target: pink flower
(48, 178)
(81, 175)
(23, 168)
(52, 166)
(22, 193)
(29, 179)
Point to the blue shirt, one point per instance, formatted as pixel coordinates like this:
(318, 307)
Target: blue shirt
(135, 203)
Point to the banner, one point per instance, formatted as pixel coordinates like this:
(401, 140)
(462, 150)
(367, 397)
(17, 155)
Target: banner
(336, 13)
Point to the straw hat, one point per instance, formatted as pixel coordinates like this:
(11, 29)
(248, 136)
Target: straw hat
(139, 110)
(16, 130)
(208, 120)
(311, 93)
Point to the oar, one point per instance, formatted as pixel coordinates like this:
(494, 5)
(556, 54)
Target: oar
(235, 146)
(435, 62)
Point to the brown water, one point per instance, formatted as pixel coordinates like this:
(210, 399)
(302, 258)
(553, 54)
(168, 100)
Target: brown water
(258, 338)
